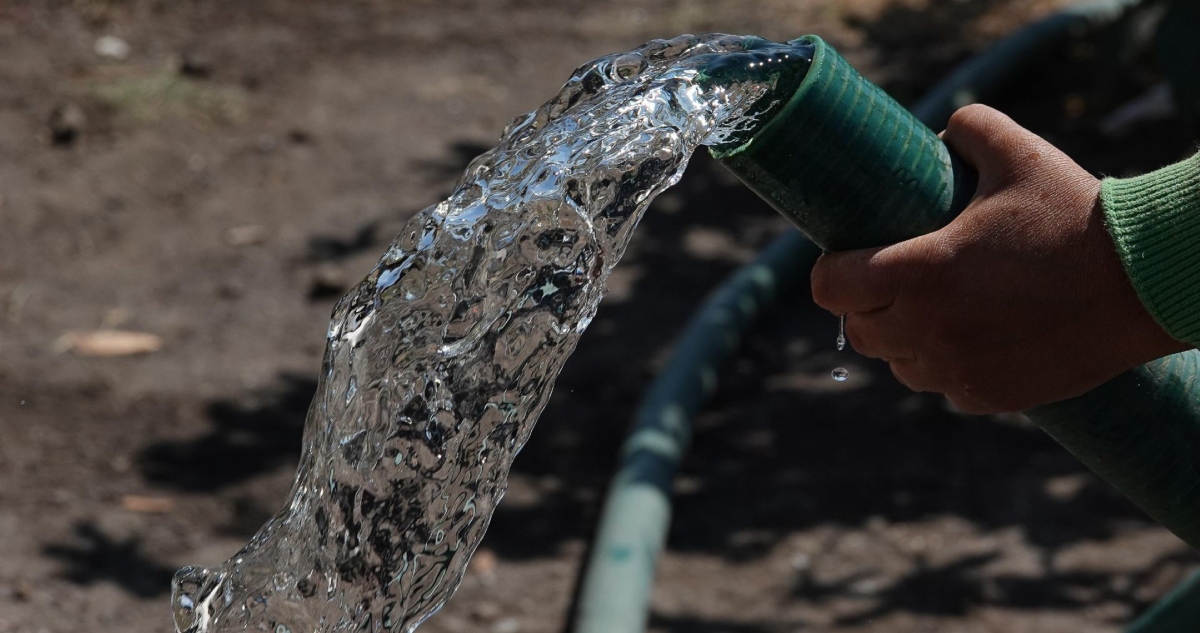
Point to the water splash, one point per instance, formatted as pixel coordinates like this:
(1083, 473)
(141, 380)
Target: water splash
(840, 374)
(439, 362)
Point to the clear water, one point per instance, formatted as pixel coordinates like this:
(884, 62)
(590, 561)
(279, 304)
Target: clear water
(841, 374)
(439, 362)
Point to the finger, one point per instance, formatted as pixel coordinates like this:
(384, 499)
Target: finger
(881, 334)
(995, 145)
(853, 281)
(913, 374)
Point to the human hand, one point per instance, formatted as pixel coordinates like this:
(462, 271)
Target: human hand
(1021, 300)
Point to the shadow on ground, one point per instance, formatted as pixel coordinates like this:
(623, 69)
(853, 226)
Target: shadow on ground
(246, 439)
(96, 557)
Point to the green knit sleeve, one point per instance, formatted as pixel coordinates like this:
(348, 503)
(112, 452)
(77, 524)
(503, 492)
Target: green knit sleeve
(1154, 221)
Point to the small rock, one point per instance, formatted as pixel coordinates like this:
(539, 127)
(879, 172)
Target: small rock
(299, 136)
(147, 505)
(866, 587)
(102, 343)
(485, 611)
(507, 625)
(195, 65)
(484, 563)
(66, 124)
(713, 245)
(327, 282)
(112, 47)
(22, 591)
(1065, 488)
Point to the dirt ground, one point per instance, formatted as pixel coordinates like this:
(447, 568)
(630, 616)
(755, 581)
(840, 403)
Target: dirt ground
(221, 181)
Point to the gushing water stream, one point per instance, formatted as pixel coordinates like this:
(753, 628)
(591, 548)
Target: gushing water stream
(438, 363)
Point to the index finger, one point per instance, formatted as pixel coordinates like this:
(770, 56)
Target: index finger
(853, 281)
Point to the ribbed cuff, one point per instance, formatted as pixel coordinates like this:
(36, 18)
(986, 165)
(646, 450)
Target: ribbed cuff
(1155, 222)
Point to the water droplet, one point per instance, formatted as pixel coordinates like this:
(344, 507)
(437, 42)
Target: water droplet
(841, 339)
(840, 374)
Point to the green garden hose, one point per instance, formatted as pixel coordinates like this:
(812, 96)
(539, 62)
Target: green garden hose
(884, 177)
(847, 164)
(1177, 612)
(1140, 432)
(616, 586)
(615, 594)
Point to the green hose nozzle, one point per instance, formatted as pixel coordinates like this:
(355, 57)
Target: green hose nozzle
(841, 154)
(854, 169)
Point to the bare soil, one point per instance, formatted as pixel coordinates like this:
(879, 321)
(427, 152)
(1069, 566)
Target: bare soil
(247, 161)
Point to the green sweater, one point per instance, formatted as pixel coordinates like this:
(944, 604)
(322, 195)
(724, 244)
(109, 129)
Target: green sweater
(1155, 222)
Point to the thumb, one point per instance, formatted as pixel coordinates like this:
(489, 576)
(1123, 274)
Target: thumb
(991, 142)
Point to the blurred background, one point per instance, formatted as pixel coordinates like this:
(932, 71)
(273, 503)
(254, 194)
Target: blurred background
(186, 187)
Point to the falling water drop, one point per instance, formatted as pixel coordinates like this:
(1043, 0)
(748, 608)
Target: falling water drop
(841, 374)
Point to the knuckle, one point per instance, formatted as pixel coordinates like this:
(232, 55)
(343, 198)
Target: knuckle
(969, 117)
(946, 244)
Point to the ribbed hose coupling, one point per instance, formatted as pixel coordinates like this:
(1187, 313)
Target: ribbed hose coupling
(847, 164)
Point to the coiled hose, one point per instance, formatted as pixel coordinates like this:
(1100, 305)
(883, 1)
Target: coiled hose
(615, 591)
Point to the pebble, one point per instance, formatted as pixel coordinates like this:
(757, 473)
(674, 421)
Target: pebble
(507, 625)
(66, 123)
(326, 282)
(112, 47)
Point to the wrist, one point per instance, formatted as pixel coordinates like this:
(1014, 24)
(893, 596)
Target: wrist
(1154, 222)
